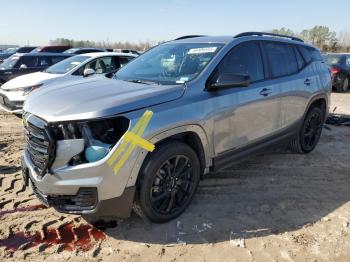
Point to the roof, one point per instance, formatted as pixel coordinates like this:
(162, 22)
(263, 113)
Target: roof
(100, 54)
(229, 39)
(207, 39)
(43, 54)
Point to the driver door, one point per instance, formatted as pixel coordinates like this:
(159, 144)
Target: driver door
(244, 115)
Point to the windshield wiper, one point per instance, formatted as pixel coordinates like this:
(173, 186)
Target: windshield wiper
(146, 82)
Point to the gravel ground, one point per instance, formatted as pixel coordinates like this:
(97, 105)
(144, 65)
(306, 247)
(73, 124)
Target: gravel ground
(274, 207)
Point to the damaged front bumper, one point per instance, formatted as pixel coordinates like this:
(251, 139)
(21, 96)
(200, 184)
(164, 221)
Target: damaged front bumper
(85, 201)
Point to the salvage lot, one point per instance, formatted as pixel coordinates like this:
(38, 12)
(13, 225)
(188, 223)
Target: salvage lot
(277, 206)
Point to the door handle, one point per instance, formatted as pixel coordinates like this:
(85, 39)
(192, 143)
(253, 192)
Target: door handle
(307, 82)
(265, 91)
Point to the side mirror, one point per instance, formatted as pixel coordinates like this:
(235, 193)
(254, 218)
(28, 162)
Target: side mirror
(229, 80)
(88, 72)
(23, 66)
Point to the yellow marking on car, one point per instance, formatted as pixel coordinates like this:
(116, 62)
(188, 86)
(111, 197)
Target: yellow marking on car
(130, 140)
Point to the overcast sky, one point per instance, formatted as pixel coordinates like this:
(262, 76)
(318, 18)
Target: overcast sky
(39, 21)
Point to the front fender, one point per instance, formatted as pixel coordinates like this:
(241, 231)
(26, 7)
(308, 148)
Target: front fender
(167, 134)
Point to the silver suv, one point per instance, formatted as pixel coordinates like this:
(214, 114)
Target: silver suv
(187, 107)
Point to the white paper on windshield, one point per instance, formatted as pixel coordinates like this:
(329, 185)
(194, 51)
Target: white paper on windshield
(182, 80)
(202, 50)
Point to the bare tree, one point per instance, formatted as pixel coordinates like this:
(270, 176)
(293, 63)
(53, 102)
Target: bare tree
(141, 46)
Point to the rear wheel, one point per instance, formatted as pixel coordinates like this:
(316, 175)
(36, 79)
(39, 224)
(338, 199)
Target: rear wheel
(310, 131)
(168, 182)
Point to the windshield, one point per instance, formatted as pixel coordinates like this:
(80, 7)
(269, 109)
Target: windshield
(332, 59)
(10, 50)
(71, 51)
(9, 63)
(66, 65)
(169, 63)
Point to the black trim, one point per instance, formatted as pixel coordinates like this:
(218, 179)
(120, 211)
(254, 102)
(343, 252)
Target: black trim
(119, 206)
(36, 123)
(267, 34)
(188, 36)
(233, 156)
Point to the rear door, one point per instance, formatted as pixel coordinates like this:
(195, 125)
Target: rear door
(244, 115)
(286, 73)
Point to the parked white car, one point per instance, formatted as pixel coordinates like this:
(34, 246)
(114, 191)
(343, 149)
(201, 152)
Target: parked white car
(14, 92)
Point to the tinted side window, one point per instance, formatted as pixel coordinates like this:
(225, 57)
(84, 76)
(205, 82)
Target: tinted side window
(44, 61)
(100, 65)
(281, 58)
(104, 65)
(300, 60)
(244, 59)
(125, 60)
(29, 61)
(310, 54)
(57, 59)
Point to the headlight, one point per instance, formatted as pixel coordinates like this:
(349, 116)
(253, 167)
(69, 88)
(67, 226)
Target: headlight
(26, 90)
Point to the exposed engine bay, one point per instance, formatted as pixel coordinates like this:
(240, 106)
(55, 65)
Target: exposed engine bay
(100, 136)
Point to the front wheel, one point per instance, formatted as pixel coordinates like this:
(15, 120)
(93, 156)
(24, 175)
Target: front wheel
(310, 131)
(168, 182)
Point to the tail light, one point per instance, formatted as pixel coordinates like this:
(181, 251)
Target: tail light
(335, 70)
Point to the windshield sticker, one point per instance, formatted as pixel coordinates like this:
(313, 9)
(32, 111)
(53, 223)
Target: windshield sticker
(202, 50)
(182, 80)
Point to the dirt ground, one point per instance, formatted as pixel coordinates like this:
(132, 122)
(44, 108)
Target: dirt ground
(275, 207)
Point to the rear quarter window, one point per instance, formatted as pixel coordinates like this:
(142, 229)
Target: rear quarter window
(310, 54)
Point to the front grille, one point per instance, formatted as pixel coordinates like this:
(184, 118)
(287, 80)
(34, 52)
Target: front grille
(39, 145)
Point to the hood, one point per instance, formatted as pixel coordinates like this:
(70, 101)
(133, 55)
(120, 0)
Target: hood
(30, 80)
(96, 97)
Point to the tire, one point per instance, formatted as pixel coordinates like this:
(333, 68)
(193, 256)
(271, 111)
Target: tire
(309, 133)
(168, 182)
(344, 87)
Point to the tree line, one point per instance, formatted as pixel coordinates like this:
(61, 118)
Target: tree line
(140, 46)
(320, 36)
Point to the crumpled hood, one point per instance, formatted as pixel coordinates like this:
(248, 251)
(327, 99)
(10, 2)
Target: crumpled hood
(29, 80)
(96, 97)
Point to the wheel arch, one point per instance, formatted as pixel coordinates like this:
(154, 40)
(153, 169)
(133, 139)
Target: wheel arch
(192, 135)
(320, 101)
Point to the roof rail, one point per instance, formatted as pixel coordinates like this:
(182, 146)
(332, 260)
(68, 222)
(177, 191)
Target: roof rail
(188, 36)
(268, 34)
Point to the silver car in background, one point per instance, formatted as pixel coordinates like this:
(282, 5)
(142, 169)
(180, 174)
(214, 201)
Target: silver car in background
(177, 112)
